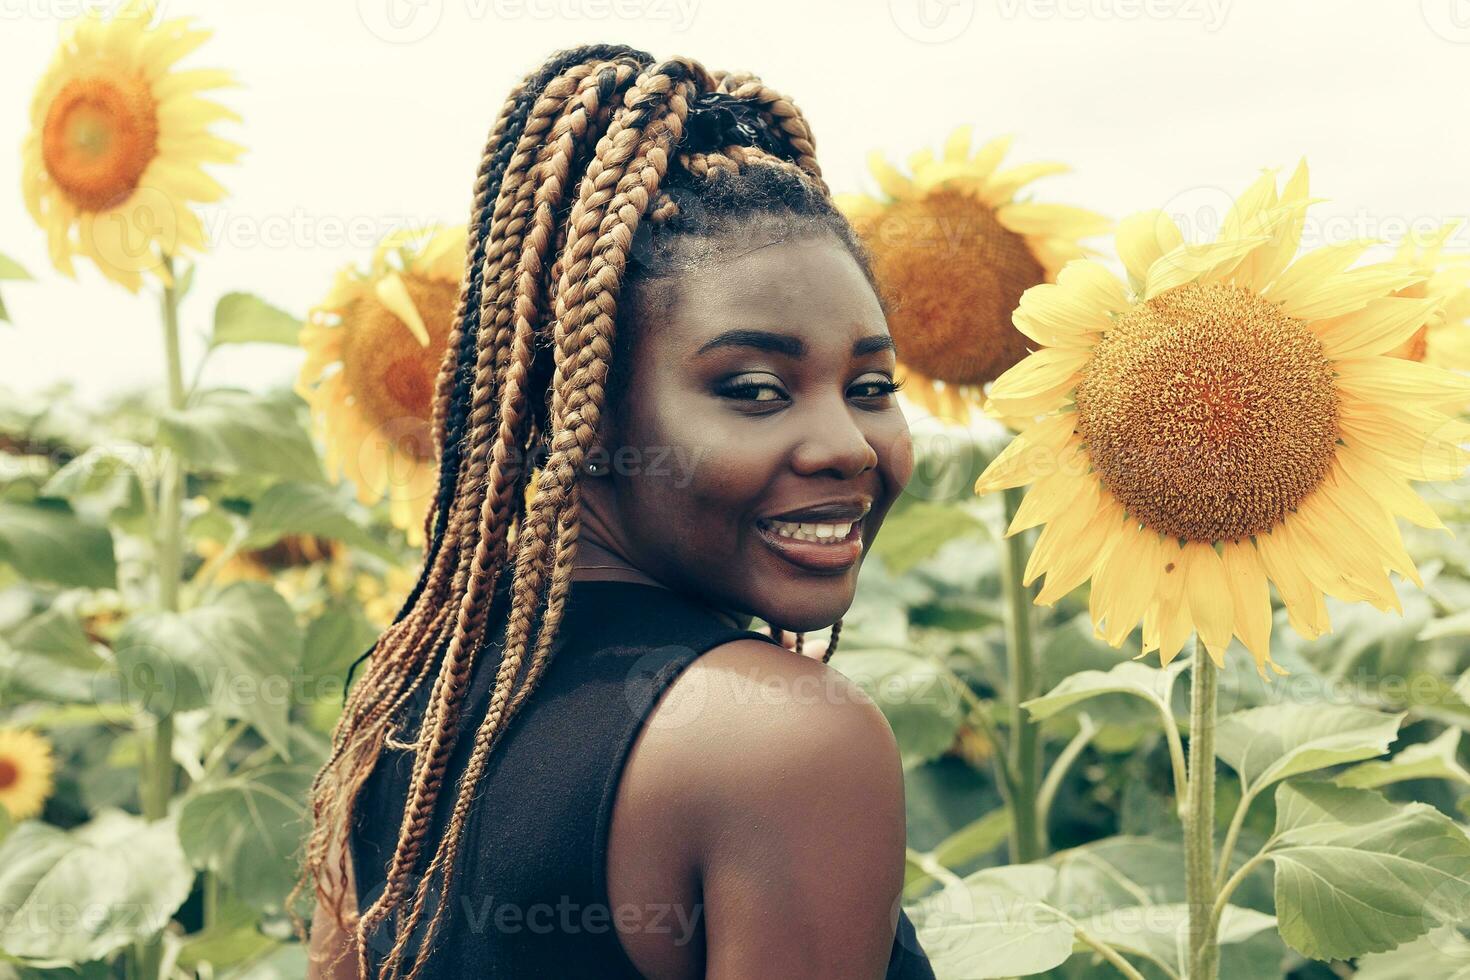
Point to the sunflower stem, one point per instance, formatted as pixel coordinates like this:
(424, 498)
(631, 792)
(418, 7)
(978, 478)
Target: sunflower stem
(1199, 817)
(1027, 834)
(159, 776)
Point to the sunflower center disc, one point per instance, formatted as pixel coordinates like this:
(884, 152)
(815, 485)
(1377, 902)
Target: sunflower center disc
(98, 138)
(1208, 412)
(953, 274)
(389, 374)
(9, 774)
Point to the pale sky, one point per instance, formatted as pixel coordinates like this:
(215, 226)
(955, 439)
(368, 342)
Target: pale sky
(361, 116)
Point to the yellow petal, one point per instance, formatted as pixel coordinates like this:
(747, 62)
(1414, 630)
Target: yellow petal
(1142, 240)
(1040, 381)
(1207, 590)
(1304, 605)
(1250, 598)
(1127, 581)
(1377, 328)
(1031, 455)
(1186, 263)
(1076, 563)
(1051, 219)
(393, 294)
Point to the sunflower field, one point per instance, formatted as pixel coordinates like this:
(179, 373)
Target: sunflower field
(1172, 625)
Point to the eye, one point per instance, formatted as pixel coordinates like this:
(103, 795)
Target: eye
(754, 388)
(874, 386)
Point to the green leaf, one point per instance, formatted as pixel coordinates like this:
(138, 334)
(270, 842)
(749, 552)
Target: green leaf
(1457, 624)
(241, 318)
(233, 432)
(47, 541)
(975, 840)
(80, 895)
(309, 508)
(247, 829)
(919, 530)
(1265, 745)
(1441, 954)
(1357, 874)
(102, 483)
(286, 962)
(1161, 932)
(1438, 759)
(49, 657)
(238, 653)
(334, 640)
(917, 696)
(1153, 684)
(995, 923)
(12, 270)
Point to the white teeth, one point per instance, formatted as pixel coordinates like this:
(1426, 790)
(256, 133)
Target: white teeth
(812, 532)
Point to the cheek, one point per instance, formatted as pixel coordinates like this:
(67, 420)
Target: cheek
(895, 449)
(709, 478)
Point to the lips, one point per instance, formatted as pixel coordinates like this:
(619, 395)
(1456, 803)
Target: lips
(825, 538)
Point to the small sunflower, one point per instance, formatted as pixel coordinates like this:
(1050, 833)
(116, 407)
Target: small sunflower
(26, 769)
(1230, 418)
(118, 138)
(373, 350)
(953, 250)
(1445, 340)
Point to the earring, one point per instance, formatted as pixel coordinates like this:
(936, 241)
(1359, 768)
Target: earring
(594, 468)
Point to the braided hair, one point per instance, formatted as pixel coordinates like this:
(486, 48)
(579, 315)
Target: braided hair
(605, 174)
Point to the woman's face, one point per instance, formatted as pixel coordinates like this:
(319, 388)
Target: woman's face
(758, 447)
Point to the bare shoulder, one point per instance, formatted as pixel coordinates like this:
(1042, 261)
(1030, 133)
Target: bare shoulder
(779, 785)
(749, 719)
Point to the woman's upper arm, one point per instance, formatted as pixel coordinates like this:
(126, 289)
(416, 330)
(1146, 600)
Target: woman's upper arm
(802, 841)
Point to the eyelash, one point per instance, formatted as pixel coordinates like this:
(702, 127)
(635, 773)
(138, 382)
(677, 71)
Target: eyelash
(746, 391)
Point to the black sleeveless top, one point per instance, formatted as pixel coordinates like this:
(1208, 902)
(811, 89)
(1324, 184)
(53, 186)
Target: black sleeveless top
(529, 898)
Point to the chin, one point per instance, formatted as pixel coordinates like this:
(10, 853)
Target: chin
(812, 604)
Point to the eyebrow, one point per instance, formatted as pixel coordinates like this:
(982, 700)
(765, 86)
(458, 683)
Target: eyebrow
(782, 343)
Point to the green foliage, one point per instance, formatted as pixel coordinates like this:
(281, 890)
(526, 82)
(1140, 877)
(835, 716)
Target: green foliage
(241, 318)
(46, 541)
(235, 432)
(76, 896)
(237, 654)
(1356, 874)
(246, 828)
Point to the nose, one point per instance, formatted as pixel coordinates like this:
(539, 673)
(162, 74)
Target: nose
(833, 445)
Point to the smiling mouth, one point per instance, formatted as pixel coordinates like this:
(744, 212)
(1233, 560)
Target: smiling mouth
(828, 546)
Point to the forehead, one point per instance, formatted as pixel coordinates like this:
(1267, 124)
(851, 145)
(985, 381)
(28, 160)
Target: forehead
(810, 287)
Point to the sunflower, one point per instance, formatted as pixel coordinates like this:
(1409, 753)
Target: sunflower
(118, 137)
(26, 768)
(1229, 418)
(373, 350)
(1445, 340)
(953, 250)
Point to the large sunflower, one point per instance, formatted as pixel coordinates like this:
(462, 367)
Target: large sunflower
(1445, 340)
(1228, 419)
(953, 250)
(118, 138)
(26, 769)
(373, 350)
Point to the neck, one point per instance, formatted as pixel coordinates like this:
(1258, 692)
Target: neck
(596, 562)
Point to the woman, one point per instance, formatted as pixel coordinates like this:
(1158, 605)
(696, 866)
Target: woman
(570, 756)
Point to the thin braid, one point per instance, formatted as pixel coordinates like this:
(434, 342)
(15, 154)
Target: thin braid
(569, 138)
(588, 150)
(832, 641)
(556, 491)
(332, 795)
(476, 573)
